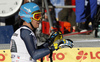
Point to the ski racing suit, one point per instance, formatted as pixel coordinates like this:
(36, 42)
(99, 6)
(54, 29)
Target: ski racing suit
(24, 46)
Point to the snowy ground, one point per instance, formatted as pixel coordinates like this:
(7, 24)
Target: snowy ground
(84, 40)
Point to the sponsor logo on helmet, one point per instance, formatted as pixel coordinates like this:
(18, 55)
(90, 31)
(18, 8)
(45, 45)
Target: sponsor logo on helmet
(27, 9)
(35, 6)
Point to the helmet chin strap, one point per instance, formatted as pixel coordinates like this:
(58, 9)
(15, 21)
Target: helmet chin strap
(34, 29)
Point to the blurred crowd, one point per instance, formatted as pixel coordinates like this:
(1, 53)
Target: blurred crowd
(79, 17)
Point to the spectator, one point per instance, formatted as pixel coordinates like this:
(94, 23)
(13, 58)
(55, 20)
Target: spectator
(84, 15)
(67, 14)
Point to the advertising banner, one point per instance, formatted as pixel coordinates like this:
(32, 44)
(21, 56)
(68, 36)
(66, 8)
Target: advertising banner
(84, 54)
(5, 56)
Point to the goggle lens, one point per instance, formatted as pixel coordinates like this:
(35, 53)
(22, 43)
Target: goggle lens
(37, 16)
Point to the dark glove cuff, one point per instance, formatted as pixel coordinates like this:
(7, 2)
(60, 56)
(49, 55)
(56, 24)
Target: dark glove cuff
(49, 42)
(51, 48)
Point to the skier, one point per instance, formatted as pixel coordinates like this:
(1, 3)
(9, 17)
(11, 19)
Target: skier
(24, 43)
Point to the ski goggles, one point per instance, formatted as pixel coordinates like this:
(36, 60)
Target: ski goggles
(37, 16)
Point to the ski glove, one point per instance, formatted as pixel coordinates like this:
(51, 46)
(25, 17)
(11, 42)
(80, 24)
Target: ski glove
(54, 37)
(63, 43)
(66, 42)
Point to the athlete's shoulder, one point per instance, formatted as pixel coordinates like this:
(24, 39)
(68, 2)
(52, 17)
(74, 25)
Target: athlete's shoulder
(25, 30)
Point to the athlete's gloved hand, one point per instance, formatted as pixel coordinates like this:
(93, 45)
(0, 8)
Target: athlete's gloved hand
(66, 42)
(63, 43)
(56, 46)
(54, 37)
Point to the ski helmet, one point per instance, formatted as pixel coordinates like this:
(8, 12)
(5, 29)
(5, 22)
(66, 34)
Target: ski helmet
(26, 11)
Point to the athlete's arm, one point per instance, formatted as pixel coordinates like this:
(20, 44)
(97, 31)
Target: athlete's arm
(29, 42)
(46, 44)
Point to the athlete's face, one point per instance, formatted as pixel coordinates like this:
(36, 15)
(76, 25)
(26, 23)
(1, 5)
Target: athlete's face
(35, 23)
(36, 19)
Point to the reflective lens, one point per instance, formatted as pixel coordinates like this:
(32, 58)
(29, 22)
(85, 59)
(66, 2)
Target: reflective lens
(37, 16)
